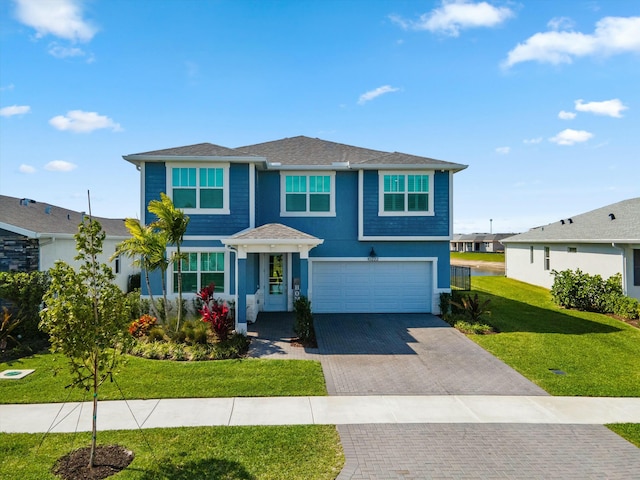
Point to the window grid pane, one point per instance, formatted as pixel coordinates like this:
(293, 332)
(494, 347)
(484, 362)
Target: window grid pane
(319, 203)
(184, 197)
(296, 202)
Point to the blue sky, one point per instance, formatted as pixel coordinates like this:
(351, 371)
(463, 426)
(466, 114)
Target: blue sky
(540, 98)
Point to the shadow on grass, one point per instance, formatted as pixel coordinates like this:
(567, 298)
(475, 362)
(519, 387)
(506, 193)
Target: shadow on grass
(206, 468)
(509, 315)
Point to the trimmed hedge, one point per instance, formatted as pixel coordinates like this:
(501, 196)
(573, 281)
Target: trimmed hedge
(579, 290)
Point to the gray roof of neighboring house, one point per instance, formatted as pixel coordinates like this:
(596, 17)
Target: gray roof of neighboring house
(298, 151)
(619, 222)
(480, 237)
(33, 219)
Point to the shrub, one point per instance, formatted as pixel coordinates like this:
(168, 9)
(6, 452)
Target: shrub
(215, 313)
(627, 307)
(235, 346)
(303, 326)
(7, 325)
(24, 292)
(472, 307)
(156, 334)
(473, 328)
(140, 327)
(591, 293)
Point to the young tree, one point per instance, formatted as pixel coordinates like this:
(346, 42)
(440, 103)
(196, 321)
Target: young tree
(86, 316)
(173, 223)
(147, 247)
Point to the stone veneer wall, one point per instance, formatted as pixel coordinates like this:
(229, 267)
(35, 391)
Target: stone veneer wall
(18, 253)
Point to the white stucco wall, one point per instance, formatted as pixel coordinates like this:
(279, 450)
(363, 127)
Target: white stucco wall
(594, 259)
(52, 250)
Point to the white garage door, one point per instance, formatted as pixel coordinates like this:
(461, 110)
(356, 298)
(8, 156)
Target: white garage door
(371, 287)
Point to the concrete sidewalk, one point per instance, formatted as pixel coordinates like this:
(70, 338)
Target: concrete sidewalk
(342, 410)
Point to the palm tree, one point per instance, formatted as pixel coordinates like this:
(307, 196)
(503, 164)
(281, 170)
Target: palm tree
(147, 247)
(173, 223)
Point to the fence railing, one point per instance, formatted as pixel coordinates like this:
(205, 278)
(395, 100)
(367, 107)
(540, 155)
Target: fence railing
(460, 277)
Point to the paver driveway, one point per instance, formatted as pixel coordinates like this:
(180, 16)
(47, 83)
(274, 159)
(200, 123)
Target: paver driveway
(409, 354)
(421, 355)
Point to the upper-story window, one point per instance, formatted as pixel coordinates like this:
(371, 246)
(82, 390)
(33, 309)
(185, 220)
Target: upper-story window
(307, 194)
(194, 187)
(405, 193)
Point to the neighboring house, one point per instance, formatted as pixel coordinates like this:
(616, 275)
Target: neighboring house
(34, 235)
(479, 242)
(602, 242)
(353, 229)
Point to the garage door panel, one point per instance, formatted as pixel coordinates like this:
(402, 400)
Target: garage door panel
(371, 287)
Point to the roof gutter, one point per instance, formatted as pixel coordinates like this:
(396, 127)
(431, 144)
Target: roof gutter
(137, 159)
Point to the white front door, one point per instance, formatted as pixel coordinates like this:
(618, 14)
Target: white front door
(274, 279)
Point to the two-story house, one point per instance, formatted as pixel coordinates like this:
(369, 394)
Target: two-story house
(353, 229)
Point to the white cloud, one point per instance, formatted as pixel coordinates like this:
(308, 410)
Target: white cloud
(28, 169)
(60, 166)
(456, 15)
(61, 18)
(562, 115)
(11, 86)
(571, 137)
(371, 94)
(83, 122)
(560, 23)
(533, 141)
(60, 51)
(503, 150)
(14, 110)
(610, 108)
(612, 35)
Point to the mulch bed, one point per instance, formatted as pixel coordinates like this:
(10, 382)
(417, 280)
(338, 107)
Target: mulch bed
(108, 460)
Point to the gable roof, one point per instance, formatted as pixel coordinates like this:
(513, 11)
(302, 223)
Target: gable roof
(297, 151)
(619, 222)
(37, 219)
(273, 231)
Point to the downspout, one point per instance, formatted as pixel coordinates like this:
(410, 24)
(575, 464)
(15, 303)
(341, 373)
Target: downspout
(624, 267)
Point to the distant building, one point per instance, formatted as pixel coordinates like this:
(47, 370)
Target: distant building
(479, 242)
(34, 235)
(601, 242)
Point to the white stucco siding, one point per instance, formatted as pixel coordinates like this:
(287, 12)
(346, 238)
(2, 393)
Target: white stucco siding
(594, 259)
(52, 250)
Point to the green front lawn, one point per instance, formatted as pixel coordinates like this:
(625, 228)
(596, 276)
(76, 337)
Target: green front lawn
(243, 453)
(141, 379)
(600, 355)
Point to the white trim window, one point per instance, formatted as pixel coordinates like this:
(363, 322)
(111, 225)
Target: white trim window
(405, 193)
(307, 194)
(199, 269)
(199, 188)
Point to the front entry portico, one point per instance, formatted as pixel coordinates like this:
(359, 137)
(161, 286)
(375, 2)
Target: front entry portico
(281, 250)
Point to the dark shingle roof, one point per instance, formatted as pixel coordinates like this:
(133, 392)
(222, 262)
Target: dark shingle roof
(273, 231)
(596, 226)
(297, 151)
(197, 150)
(36, 218)
(310, 151)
